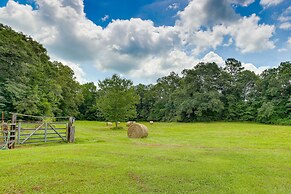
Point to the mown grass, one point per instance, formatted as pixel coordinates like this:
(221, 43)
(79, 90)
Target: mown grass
(175, 158)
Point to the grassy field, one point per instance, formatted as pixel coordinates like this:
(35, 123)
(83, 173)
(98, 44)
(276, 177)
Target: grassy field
(175, 158)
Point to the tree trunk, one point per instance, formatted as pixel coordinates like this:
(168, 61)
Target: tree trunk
(116, 124)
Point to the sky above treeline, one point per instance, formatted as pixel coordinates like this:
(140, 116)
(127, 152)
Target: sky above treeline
(146, 39)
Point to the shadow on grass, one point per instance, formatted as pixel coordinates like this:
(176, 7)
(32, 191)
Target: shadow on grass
(117, 128)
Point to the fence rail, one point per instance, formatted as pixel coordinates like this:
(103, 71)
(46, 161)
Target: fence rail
(21, 132)
(41, 132)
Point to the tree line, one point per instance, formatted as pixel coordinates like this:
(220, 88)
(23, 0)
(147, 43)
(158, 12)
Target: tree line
(207, 93)
(31, 84)
(211, 93)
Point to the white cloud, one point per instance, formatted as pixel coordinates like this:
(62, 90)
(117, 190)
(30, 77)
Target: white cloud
(139, 37)
(287, 46)
(106, 17)
(212, 57)
(250, 36)
(205, 13)
(252, 67)
(244, 3)
(286, 15)
(79, 72)
(173, 6)
(137, 47)
(204, 23)
(12, 14)
(230, 41)
(211, 38)
(282, 50)
(172, 61)
(268, 3)
(285, 19)
(285, 26)
(60, 25)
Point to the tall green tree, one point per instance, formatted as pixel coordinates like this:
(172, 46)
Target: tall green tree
(71, 97)
(164, 108)
(147, 99)
(275, 92)
(117, 99)
(232, 92)
(30, 83)
(200, 96)
(88, 108)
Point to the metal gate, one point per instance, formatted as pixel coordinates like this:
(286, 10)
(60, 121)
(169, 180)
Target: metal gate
(46, 129)
(33, 133)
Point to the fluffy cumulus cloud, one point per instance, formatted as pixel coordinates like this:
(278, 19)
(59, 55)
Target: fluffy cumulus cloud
(162, 65)
(212, 57)
(137, 47)
(252, 67)
(206, 13)
(250, 36)
(217, 23)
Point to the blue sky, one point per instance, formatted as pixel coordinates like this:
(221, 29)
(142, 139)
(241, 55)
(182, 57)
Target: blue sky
(146, 39)
(154, 10)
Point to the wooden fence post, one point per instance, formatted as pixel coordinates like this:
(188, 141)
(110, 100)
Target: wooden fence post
(11, 142)
(45, 133)
(18, 133)
(71, 131)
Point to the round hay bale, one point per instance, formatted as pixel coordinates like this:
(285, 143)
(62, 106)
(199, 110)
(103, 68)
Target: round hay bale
(151, 122)
(129, 123)
(136, 130)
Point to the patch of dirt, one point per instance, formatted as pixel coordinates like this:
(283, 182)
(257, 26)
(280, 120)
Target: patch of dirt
(37, 188)
(139, 181)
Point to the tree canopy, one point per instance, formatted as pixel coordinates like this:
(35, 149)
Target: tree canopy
(117, 99)
(208, 92)
(31, 83)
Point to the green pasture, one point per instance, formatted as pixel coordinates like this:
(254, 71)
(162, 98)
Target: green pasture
(175, 158)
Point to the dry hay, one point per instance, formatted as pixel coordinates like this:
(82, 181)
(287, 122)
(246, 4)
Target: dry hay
(151, 122)
(109, 124)
(129, 123)
(136, 130)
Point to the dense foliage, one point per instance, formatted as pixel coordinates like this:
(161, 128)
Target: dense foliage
(117, 99)
(210, 93)
(30, 83)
